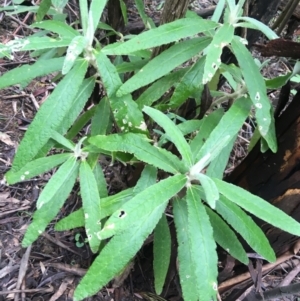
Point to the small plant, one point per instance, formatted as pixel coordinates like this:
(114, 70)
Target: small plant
(78, 239)
(205, 208)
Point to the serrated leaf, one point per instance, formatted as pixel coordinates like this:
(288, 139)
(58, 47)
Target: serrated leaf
(189, 83)
(148, 178)
(222, 37)
(68, 144)
(44, 6)
(75, 48)
(279, 81)
(142, 205)
(141, 148)
(83, 6)
(76, 106)
(25, 74)
(266, 30)
(226, 238)
(161, 253)
(164, 34)
(58, 27)
(90, 204)
(81, 122)
(131, 66)
(210, 189)
(56, 182)
(226, 129)
(218, 11)
(208, 124)
(217, 167)
(36, 167)
(101, 119)
(51, 115)
(95, 12)
(36, 43)
(17, 9)
(256, 89)
(108, 205)
(126, 112)
(258, 207)
(201, 237)
(123, 246)
(157, 89)
(43, 216)
(164, 63)
(185, 262)
(243, 224)
(172, 132)
(100, 180)
(148, 22)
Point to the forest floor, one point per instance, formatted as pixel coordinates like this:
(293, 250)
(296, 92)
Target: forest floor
(52, 267)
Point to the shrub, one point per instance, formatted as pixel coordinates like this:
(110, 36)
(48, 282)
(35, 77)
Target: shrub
(206, 209)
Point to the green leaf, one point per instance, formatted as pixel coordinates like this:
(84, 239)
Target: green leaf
(58, 27)
(189, 83)
(161, 253)
(56, 182)
(226, 238)
(37, 43)
(126, 112)
(278, 82)
(123, 246)
(185, 260)
(258, 207)
(190, 126)
(164, 34)
(201, 238)
(208, 124)
(256, 89)
(217, 167)
(102, 118)
(51, 116)
(139, 146)
(222, 37)
(243, 224)
(90, 204)
(83, 6)
(108, 205)
(226, 129)
(142, 205)
(81, 122)
(76, 106)
(164, 63)
(158, 89)
(100, 180)
(96, 9)
(44, 6)
(25, 74)
(210, 189)
(75, 48)
(147, 179)
(148, 22)
(68, 144)
(131, 66)
(43, 216)
(36, 167)
(218, 11)
(172, 132)
(266, 30)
